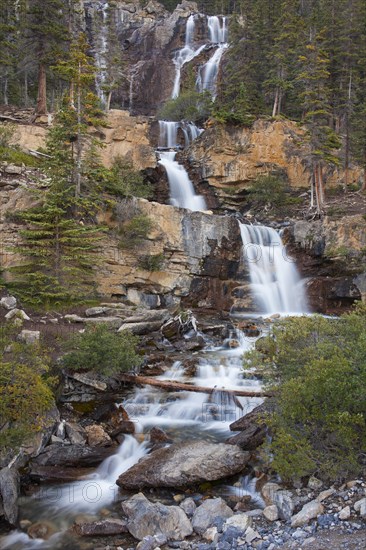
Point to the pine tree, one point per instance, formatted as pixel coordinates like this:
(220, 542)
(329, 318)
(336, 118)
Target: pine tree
(7, 46)
(46, 33)
(322, 140)
(59, 253)
(83, 109)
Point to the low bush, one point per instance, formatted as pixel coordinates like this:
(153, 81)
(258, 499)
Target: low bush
(318, 371)
(102, 350)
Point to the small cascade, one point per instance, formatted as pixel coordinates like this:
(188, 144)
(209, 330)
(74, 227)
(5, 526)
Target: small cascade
(217, 29)
(275, 281)
(182, 192)
(168, 134)
(100, 55)
(185, 55)
(208, 73)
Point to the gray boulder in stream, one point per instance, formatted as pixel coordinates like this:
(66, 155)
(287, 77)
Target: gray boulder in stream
(185, 464)
(146, 518)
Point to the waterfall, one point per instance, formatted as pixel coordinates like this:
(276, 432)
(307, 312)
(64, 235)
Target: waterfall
(168, 134)
(208, 73)
(184, 55)
(181, 188)
(100, 55)
(217, 30)
(275, 281)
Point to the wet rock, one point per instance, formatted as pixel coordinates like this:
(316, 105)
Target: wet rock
(308, 512)
(110, 526)
(159, 437)
(8, 302)
(88, 380)
(124, 427)
(42, 530)
(146, 518)
(285, 503)
(268, 492)
(29, 336)
(97, 436)
(9, 490)
(252, 430)
(271, 512)
(75, 433)
(184, 464)
(209, 511)
(72, 455)
(239, 521)
(188, 506)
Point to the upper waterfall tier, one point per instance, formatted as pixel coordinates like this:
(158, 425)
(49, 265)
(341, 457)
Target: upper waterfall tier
(182, 192)
(275, 281)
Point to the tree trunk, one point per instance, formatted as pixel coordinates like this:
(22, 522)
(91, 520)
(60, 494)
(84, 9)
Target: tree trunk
(170, 385)
(275, 105)
(41, 108)
(78, 140)
(363, 188)
(109, 99)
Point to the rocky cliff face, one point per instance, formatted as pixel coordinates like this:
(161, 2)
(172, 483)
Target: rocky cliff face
(228, 159)
(148, 36)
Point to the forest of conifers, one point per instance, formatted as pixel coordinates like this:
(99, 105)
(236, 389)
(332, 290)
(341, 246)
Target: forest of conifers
(302, 59)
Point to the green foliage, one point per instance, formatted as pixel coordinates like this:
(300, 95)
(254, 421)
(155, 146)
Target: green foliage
(25, 388)
(14, 155)
(319, 372)
(152, 262)
(271, 190)
(191, 106)
(59, 254)
(123, 181)
(102, 351)
(7, 132)
(135, 231)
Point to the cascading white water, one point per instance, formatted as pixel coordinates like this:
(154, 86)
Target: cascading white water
(208, 73)
(217, 29)
(275, 281)
(182, 192)
(185, 54)
(168, 134)
(100, 56)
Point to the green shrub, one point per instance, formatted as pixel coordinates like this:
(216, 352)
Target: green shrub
(25, 388)
(190, 106)
(135, 231)
(7, 132)
(102, 350)
(272, 190)
(319, 422)
(18, 157)
(122, 180)
(152, 262)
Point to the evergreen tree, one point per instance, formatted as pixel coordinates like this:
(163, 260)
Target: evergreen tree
(322, 140)
(7, 46)
(83, 108)
(46, 31)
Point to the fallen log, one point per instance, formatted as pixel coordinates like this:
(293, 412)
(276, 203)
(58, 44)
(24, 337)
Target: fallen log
(170, 385)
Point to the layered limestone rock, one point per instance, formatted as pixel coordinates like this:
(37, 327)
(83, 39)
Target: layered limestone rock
(335, 250)
(199, 255)
(148, 35)
(231, 158)
(123, 135)
(200, 260)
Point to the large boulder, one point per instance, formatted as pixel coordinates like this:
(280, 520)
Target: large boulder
(72, 455)
(252, 429)
(185, 464)
(9, 489)
(210, 511)
(146, 518)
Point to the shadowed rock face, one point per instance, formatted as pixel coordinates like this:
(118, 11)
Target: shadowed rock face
(148, 37)
(185, 464)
